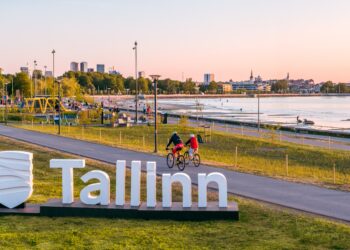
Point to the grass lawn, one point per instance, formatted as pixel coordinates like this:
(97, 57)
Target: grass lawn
(265, 156)
(260, 226)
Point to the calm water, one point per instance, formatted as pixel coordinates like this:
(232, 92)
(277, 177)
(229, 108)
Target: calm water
(328, 113)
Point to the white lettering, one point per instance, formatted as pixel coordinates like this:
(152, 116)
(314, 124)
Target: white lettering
(135, 183)
(185, 181)
(103, 187)
(67, 176)
(204, 180)
(120, 185)
(151, 184)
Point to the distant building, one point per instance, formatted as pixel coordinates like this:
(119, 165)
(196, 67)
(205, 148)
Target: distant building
(74, 66)
(1, 70)
(208, 78)
(83, 66)
(113, 72)
(48, 73)
(24, 70)
(225, 88)
(100, 68)
(90, 70)
(142, 74)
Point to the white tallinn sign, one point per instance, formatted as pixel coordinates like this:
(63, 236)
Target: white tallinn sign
(16, 183)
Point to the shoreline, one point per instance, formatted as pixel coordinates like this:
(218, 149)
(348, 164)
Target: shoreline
(189, 96)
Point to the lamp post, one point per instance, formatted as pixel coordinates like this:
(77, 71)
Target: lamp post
(53, 70)
(155, 81)
(136, 83)
(45, 67)
(59, 106)
(258, 111)
(5, 94)
(12, 94)
(34, 76)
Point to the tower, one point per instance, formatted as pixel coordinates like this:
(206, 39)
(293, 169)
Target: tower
(251, 75)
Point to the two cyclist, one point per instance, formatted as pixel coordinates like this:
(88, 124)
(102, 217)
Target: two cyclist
(178, 144)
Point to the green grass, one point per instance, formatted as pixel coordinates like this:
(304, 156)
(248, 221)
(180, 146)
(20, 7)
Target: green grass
(260, 226)
(265, 156)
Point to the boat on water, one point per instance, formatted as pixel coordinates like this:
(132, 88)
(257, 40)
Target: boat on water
(308, 122)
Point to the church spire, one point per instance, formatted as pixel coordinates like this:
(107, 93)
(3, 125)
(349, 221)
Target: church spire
(251, 75)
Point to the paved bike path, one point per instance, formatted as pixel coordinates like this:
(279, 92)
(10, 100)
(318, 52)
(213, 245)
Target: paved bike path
(309, 198)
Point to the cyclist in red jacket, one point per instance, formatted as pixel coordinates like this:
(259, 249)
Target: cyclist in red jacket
(176, 140)
(193, 145)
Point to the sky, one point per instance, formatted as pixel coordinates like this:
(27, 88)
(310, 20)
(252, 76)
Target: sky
(183, 38)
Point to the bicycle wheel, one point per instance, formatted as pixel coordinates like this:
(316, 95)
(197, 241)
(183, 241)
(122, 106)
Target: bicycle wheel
(181, 164)
(196, 160)
(187, 157)
(170, 159)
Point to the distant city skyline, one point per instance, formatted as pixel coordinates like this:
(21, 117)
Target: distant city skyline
(182, 39)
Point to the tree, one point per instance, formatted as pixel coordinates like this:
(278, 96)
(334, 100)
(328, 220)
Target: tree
(70, 87)
(213, 87)
(188, 87)
(280, 86)
(341, 88)
(327, 87)
(23, 83)
(85, 81)
(143, 84)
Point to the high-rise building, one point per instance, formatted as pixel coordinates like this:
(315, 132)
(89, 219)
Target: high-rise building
(83, 66)
(74, 66)
(90, 70)
(142, 74)
(100, 68)
(208, 78)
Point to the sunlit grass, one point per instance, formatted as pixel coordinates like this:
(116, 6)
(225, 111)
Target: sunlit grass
(265, 156)
(260, 226)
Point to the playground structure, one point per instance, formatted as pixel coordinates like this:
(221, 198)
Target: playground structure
(42, 105)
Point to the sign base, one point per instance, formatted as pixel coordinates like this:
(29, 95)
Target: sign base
(28, 209)
(55, 208)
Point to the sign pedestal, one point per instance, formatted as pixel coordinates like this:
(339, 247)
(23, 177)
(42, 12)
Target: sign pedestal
(55, 208)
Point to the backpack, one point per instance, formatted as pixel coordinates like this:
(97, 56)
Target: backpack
(199, 139)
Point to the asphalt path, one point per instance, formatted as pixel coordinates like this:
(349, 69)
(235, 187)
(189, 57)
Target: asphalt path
(308, 198)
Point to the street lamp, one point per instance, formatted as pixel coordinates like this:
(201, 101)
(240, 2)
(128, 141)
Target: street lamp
(155, 81)
(45, 67)
(59, 106)
(258, 111)
(34, 77)
(53, 70)
(5, 95)
(136, 83)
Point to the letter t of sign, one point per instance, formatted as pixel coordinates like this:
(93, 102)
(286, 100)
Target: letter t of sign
(67, 166)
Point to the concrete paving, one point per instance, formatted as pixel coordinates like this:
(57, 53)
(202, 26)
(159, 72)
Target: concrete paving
(309, 198)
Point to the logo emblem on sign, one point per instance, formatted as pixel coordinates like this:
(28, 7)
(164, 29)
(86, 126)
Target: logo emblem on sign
(16, 177)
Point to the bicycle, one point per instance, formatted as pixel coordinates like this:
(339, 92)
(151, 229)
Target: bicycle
(180, 160)
(196, 159)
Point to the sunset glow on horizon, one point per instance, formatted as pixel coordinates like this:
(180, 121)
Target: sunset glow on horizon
(182, 39)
